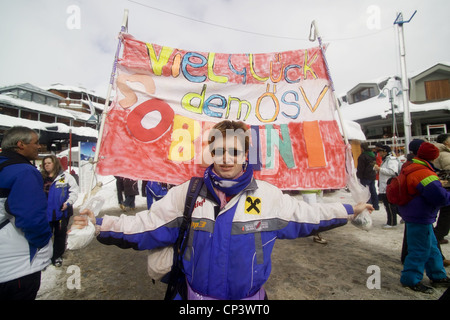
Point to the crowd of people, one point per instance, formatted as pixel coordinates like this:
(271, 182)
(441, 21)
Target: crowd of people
(226, 237)
(430, 197)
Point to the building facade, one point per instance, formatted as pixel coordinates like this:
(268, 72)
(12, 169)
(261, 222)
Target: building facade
(378, 106)
(61, 114)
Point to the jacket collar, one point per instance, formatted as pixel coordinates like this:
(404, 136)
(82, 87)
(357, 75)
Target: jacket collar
(423, 163)
(16, 157)
(205, 193)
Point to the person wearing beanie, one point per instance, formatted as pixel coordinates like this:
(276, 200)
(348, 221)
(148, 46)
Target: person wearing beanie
(419, 215)
(414, 146)
(428, 151)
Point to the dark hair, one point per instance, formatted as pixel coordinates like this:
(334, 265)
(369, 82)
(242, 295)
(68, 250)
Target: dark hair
(365, 146)
(442, 137)
(223, 127)
(386, 148)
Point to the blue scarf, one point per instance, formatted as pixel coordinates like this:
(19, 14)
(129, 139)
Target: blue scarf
(230, 187)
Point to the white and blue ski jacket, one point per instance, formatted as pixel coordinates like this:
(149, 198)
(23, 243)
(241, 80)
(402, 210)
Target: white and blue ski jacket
(228, 254)
(64, 189)
(25, 239)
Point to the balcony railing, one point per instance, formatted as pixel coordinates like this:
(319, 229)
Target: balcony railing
(398, 143)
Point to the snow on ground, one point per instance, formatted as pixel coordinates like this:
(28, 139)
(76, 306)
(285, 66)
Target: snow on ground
(108, 192)
(377, 246)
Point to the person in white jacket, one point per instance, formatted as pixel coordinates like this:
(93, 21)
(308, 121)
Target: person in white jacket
(234, 226)
(389, 168)
(61, 189)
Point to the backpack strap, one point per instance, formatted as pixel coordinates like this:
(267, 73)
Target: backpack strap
(194, 189)
(175, 279)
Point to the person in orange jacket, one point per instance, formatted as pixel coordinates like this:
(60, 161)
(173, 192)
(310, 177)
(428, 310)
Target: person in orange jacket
(419, 215)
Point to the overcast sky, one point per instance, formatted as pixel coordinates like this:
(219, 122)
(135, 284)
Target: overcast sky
(73, 41)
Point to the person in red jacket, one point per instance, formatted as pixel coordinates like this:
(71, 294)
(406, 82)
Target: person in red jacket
(419, 215)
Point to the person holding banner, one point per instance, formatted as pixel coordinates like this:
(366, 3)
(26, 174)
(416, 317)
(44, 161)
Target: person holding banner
(235, 222)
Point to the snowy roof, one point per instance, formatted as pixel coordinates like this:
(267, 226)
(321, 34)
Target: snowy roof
(62, 87)
(44, 108)
(380, 106)
(352, 129)
(80, 115)
(370, 82)
(414, 74)
(34, 106)
(32, 88)
(96, 105)
(80, 131)
(8, 121)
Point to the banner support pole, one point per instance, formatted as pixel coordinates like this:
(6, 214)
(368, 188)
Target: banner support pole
(312, 37)
(124, 28)
(349, 163)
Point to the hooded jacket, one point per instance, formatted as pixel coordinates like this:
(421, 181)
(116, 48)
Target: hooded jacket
(389, 168)
(25, 242)
(228, 254)
(430, 195)
(366, 162)
(443, 161)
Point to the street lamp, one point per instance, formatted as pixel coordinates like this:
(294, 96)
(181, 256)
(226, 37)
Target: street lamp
(391, 92)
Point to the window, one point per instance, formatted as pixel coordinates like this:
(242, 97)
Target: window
(52, 102)
(47, 118)
(364, 94)
(38, 98)
(11, 93)
(437, 89)
(25, 114)
(24, 95)
(77, 123)
(8, 111)
(435, 129)
(64, 120)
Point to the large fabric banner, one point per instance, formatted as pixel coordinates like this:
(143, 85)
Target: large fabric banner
(168, 99)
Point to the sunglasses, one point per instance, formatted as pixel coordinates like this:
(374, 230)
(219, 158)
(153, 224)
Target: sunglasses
(219, 152)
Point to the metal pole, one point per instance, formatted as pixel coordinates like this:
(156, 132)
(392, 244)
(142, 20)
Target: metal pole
(394, 124)
(405, 83)
(70, 150)
(312, 37)
(124, 28)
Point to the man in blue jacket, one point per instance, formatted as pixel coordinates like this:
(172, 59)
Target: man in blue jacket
(235, 223)
(25, 235)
